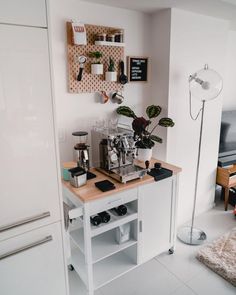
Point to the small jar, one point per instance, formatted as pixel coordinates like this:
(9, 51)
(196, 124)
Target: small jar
(119, 37)
(111, 38)
(100, 37)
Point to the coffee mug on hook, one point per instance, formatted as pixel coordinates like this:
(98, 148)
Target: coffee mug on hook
(118, 97)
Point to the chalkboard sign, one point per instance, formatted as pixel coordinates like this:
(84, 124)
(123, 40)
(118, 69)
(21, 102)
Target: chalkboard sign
(137, 69)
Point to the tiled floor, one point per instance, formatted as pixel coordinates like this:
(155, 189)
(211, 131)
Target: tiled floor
(177, 274)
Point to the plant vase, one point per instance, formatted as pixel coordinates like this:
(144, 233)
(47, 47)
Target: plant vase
(111, 76)
(97, 69)
(144, 154)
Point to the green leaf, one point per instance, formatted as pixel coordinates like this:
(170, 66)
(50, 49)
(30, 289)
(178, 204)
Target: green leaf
(126, 111)
(156, 138)
(166, 122)
(153, 111)
(111, 66)
(96, 54)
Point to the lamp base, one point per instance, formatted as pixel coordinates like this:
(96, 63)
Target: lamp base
(191, 236)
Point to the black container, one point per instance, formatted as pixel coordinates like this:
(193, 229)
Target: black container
(105, 216)
(96, 220)
(120, 210)
(119, 37)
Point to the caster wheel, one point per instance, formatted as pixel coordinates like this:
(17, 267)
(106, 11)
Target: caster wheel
(171, 251)
(71, 267)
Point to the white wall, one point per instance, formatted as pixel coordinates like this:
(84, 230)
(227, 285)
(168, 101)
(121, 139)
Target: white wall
(81, 111)
(229, 101)
(195, 40)
(160, 51)
(179, 43)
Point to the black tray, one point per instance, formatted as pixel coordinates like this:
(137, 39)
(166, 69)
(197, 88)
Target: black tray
(160, 174)
(105, 185)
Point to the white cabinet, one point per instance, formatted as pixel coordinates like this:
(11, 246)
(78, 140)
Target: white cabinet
(28, 174)
(23, 12)
(32, 263)
(31, 251)
(156, 205)
(95, 254)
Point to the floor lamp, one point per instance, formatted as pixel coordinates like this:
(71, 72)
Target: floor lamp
(204, 85)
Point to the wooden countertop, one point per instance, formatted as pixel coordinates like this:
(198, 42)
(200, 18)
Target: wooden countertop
(90, 192)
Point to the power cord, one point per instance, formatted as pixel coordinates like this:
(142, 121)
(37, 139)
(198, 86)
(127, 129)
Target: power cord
(190, 108)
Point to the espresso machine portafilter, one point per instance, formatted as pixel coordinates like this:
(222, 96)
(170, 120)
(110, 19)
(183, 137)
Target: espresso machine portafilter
(81, 149)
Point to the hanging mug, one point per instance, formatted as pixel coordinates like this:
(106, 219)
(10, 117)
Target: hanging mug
(118, 97)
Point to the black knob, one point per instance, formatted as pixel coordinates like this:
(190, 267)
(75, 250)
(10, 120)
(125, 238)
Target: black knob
(120, 210)
(157, 166)
(104, 216)
(96, 220)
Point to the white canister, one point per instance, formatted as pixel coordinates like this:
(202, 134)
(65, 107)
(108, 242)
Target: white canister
(144, 154)
(97, 69)
(111, 76)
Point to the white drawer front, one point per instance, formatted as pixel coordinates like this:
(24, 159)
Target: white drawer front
(23, 12)
(32, 263)
(113, 200)
(21, 225)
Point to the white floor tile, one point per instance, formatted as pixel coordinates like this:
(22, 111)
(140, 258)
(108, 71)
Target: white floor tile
(182, 263)
(152, 278)
(184, 290)
(208, 282)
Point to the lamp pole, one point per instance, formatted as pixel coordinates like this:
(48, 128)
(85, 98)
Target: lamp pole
(208, 84)
(197, 173)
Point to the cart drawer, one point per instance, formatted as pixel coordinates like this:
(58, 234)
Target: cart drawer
(114, 200)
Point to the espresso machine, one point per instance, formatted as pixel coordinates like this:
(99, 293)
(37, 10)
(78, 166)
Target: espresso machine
(81, 149)
(113, 153)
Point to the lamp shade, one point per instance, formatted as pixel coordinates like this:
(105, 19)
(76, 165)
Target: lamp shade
(206, 84)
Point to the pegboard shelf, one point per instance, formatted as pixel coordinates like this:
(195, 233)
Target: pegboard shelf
(92, 83)
(106, 43)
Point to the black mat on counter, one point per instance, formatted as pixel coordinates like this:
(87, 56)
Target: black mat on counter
(90, 175)
(160, 174)
(105, 185)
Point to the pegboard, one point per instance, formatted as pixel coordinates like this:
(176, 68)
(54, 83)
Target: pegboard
(91, 83)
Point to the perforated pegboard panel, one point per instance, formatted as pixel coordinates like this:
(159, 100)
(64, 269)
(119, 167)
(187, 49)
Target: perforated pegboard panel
(91, 83)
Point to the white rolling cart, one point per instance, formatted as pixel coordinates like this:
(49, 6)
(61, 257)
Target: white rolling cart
(93, 251)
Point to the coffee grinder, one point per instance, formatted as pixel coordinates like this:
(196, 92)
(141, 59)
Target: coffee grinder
(81, 149)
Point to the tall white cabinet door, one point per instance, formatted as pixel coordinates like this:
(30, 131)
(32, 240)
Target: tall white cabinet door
(28, 174)
(23, 12)
(155, 207)
(32, 263)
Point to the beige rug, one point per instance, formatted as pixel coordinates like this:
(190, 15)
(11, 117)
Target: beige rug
(220, 256)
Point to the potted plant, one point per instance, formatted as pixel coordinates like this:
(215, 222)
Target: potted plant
(111, 74)
(96, 66)
(145, 139)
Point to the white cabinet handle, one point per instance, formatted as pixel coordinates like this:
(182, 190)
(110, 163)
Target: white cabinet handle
(140, 226)
(24, 221)
(114, 201)
(27, 247)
